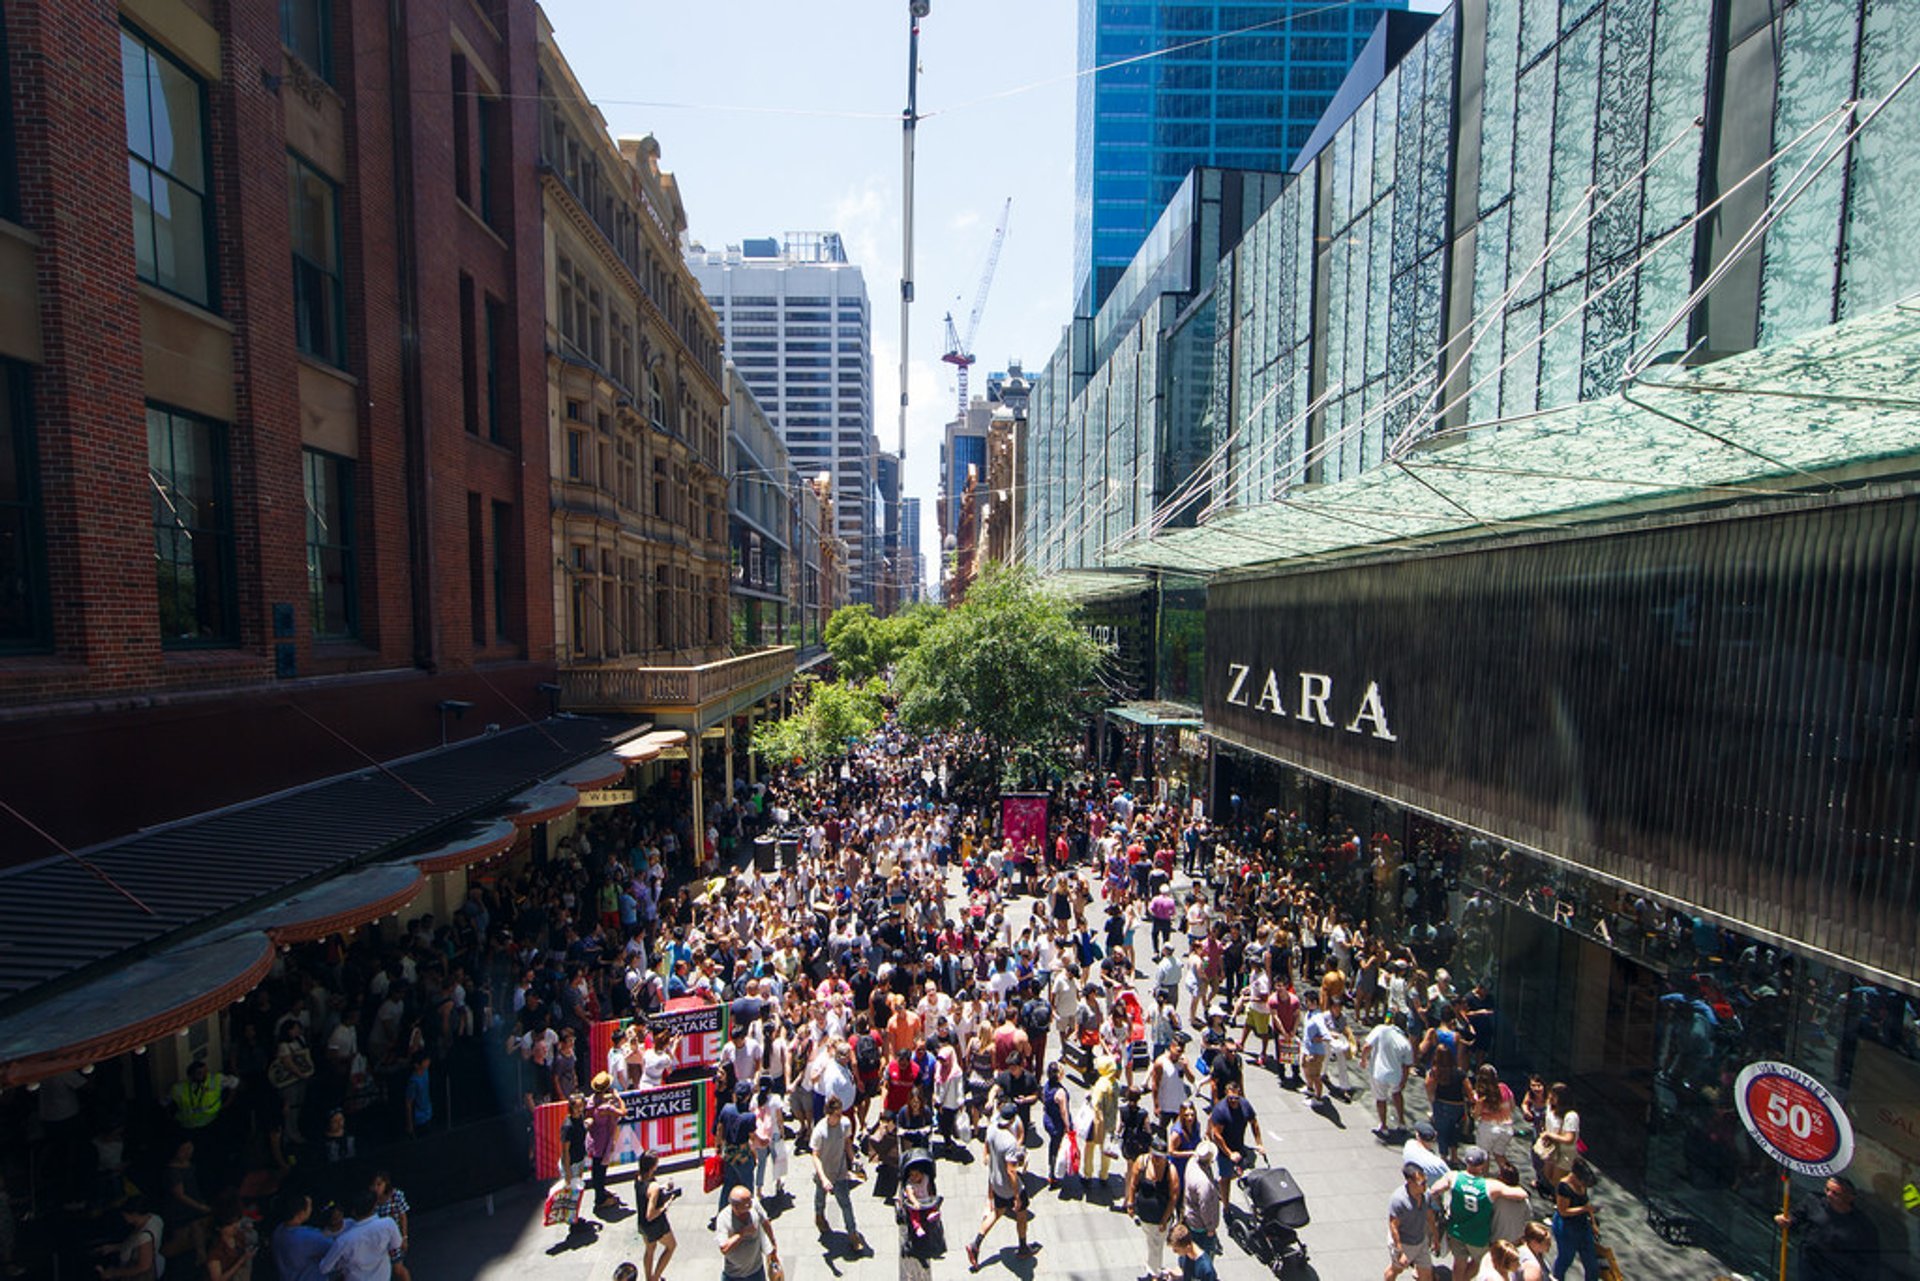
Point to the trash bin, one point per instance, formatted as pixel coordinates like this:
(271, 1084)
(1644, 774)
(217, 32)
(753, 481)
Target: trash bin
(765, 853)
(789, 845)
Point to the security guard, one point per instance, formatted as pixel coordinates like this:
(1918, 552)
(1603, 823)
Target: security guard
(198, 1099)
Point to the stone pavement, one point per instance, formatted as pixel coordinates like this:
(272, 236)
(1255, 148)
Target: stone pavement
(1346, 1173)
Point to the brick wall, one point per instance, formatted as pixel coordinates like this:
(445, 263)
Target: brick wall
(106, 681)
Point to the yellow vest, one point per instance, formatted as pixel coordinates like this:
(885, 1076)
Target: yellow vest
(197, 1107)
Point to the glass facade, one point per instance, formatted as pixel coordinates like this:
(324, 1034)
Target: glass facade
(1189, 83)
(1514, 220)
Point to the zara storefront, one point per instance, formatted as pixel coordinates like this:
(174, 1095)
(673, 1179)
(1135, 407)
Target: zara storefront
(1678, 760)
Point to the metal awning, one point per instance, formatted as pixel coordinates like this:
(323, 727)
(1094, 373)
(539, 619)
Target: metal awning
(1091, 586)
(200, 875)
(1810, 415)
(1157, 714)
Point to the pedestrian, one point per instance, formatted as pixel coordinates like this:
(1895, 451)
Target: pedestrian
(1500, 1262)
(770, 1155)
(1420, 1150)
(746, 1240)
(605, 1111)
(1469, 1197)
(1103, 1101)
(1232, 1120)
(138, 1253)
(1153, 1199)
(1200, 1204)
(1170, 1080)
(651, 1199)
(1837, 1240)
(1194, 1254)
(1492, 1112)
(1573, 1225)
(1056, 1119)
(832, 1145)
(923, 1236)
(1410, 1226)
(389, 1202)
(364, 1250)
(1535, 1241)
(1006, 1192)
(735, 1131)
(1389, 1059)
(1559, 1139)
(1316, 1037)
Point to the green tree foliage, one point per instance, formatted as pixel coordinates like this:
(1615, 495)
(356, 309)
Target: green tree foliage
(828, 716)
(1010, 662)
(864, 646)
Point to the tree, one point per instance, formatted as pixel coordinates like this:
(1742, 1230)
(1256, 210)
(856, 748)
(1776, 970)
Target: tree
(851, 635)
(1011, 663)
(828, 717)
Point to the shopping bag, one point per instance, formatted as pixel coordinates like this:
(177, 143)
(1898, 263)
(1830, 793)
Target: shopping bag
(778, 1160)
(1083, 1118)
(563, 1205)
(712, 1172)
(963, 1127)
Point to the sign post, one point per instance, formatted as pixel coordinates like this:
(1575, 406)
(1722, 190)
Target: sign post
(1799, 1123)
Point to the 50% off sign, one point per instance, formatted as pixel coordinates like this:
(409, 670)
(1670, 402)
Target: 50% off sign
(1796, 1121)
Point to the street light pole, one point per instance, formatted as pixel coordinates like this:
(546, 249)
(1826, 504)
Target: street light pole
(916, 10)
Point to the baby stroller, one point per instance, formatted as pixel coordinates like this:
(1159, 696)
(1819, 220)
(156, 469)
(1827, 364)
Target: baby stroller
(923, 1233)
(1271, 1233)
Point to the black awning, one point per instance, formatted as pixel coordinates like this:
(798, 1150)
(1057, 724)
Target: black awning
(60, 925)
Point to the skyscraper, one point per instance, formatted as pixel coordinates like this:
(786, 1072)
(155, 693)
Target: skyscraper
(796, 323)
(1239, 86)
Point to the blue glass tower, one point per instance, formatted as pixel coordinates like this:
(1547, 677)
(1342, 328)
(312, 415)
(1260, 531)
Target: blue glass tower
(1241, 86)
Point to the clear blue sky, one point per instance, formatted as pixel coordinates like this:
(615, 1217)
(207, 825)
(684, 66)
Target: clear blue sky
(734, 90)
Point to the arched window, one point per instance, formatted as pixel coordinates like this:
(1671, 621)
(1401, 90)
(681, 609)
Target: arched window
(656, 403)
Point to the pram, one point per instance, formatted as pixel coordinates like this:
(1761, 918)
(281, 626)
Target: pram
(1271, 1233)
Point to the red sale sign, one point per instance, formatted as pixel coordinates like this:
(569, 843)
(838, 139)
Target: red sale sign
(1795, 1118)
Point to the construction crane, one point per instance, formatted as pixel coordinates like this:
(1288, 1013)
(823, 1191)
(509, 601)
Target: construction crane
(959, 349)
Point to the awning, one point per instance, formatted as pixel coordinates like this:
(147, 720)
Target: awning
(541, 804)
(1826, 410)
(603, 770)
(134, 1007)
(337, 905)
(1157, 714)
(477, 846)
(1091, 586)
(653, 745)
(175, 886)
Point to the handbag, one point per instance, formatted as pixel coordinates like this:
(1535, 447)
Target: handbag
(712, 1172)
(1544, 1148)
(563, 1204)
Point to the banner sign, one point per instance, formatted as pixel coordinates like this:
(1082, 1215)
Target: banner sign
(1023, 820)
(700, 1025)
(669, 1121)
(1794, 1118)
(601, 796)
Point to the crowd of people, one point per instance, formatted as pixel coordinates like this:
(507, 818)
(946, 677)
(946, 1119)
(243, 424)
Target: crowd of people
(907, 987)
(1082, 1011)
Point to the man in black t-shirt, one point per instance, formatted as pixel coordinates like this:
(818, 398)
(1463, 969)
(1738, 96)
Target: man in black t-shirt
(1231, 1119)
(1838, 1241)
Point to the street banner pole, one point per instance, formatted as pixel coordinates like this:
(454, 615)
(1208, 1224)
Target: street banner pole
(1796, 1120)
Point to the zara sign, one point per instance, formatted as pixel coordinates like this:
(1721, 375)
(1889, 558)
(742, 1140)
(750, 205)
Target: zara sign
(1246, 688)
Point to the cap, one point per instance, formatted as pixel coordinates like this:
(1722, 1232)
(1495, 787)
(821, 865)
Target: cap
(1008, 1111)
(1425, 1130)
(1158, 1144)
(1473, 1156)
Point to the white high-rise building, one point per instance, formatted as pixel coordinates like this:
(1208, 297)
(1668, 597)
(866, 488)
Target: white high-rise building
(797, 325)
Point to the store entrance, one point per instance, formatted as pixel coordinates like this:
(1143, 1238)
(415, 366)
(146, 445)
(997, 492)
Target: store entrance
(1575, 1011)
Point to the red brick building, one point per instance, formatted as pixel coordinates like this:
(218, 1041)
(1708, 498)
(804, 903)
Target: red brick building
(273, 442)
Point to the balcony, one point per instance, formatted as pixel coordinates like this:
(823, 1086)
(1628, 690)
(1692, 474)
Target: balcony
(699, 694)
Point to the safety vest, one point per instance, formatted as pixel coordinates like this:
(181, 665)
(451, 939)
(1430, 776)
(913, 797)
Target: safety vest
(197, 1107)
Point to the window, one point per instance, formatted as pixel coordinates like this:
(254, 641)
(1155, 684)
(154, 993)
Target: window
(503, 562)
(489, 128)
(462, 135)
(576, 455)
(496, 324)
(306, 28)
(9, 161)
(319, 299)
(167, 169)
(476, 570)
(469, 357)
(331, 583)
(23, 589)
(192, 527)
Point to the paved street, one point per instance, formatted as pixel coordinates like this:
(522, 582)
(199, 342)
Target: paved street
(1346, 1173)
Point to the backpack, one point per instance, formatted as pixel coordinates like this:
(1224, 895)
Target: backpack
(926, 1231)
(866, 1054)
(1037, 1016)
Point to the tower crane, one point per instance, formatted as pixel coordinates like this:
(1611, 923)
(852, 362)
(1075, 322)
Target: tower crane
(959, 348)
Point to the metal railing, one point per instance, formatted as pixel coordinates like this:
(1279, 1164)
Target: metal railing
(632, 686)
